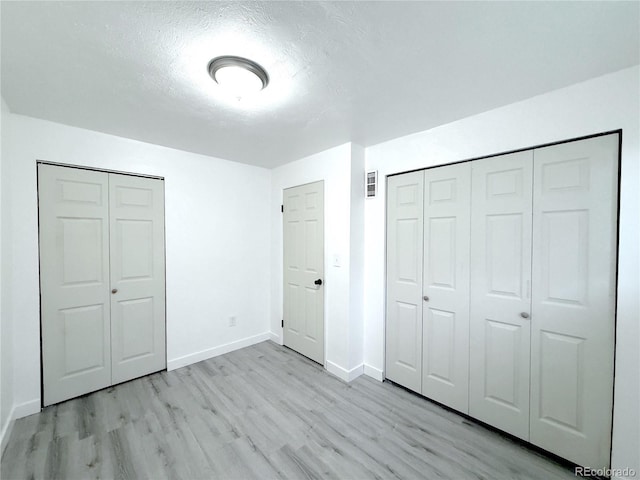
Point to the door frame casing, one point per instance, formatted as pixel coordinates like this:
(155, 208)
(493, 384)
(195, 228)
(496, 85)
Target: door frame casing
(102, 170)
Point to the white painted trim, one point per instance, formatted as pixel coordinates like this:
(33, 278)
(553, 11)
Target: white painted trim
(373, 372)
(17, 411)
(27, 408)
(276, 338)
(343, 373)
(6, 430)
(214, 352)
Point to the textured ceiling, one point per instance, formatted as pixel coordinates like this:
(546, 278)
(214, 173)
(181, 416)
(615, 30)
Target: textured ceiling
(340, 71)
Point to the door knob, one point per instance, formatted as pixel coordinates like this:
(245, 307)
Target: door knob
(524, 315)
(115, 290)
(318, 281)
(425, 298)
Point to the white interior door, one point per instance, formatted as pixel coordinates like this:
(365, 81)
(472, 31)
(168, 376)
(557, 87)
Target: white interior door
(137, 276)
(403, 355)
(73, 211)
(500, 291)
(573, 311)
(445, 334)
(304, 270)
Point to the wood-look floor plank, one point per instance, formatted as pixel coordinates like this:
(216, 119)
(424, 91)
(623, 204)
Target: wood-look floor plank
(263, 412)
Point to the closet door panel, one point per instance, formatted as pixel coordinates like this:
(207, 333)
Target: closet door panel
(403, 355)
(74, 281)
(573, 309)
(500, 297)
(137, 276)
(445, 363)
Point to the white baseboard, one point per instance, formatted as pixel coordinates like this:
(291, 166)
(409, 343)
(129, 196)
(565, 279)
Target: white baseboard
(214, 352)
(17, 411)
(27, 408)
(373, 372)
(6, 431)
(274, 337)
(343, 373)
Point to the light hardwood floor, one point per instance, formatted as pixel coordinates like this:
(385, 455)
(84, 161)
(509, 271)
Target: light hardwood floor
(261, 412)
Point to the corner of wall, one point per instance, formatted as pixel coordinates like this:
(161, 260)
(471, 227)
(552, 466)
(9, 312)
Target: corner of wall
(7, 400)
(5, 433)
(17, 411)
(276, 338)
(356, 258)
(373, 372)
(346, 375)
(342, 170)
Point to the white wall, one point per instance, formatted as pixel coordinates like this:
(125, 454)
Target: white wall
(334, 167)
(6, 344)
(606, 103)
(217, 260)
(356, 261)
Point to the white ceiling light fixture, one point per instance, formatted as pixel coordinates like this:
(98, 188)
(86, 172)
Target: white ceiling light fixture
(237, 75)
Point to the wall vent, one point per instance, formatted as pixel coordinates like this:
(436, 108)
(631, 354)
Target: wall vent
(372, 183)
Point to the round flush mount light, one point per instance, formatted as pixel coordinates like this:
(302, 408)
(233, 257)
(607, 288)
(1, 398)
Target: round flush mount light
(240, 76)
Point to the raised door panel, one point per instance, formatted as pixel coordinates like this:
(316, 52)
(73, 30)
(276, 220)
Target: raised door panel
(502, 369)
(74, 281)
(407, 345)
(137, 276)
(573, 309)
(303, 230)
(500, 284)
(313, 268)
(80, 251)
(445, 359)
(293, 236)
(439, 348)
(403, 351)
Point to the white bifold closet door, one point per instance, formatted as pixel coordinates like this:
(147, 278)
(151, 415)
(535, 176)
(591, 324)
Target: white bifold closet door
(573, 305)
(445, 326)
(403, 356)
(101, 279)
(74, 281)
(500, 291)
(137, 276)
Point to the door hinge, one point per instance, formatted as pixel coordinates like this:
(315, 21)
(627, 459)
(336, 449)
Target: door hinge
(282, 208)
(283, 323)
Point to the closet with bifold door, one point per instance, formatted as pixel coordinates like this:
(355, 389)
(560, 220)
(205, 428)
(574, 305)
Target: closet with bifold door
(501, 288)
(102, 285)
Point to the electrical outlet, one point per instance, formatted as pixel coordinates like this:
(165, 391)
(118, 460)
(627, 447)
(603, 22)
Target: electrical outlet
(232, 321)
